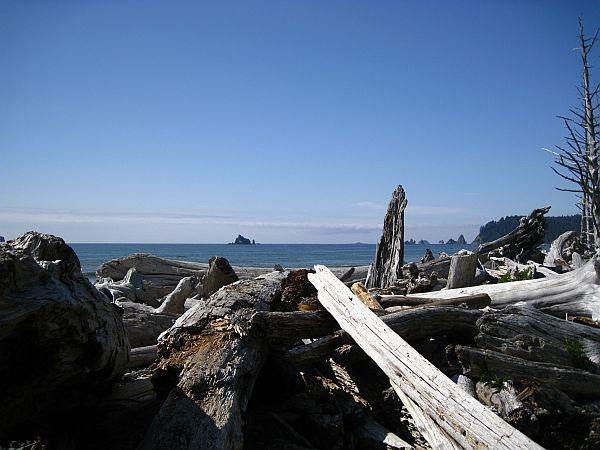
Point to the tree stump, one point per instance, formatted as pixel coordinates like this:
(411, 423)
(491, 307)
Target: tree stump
(389, 255)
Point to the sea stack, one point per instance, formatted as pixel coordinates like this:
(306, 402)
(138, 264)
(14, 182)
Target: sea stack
(241, 240)
(1, 238)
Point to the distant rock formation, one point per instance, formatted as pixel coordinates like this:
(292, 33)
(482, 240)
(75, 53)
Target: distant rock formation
(450, 241)
(410, 242)
(241, 240)
(423, 242)
(1, 238)
(441, 241)
(461, 240)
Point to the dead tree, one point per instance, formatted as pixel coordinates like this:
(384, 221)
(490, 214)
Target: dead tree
(389, 255)
(578, 162)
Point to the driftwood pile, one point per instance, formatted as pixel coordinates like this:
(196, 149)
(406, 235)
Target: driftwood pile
(303, 359)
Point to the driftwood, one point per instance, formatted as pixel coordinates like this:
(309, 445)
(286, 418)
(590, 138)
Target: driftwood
(462, 271)
(576, 292)
(520, 244)
(464, 419)
(61, 340)
(367, 298)
(504, 401)
(555, 256)
(476, 301)
(220, 273)
(143, 324)
(208, 365)
(142, 356)
(389, 255)
(576, 383)
(532, 335)
(174, 302)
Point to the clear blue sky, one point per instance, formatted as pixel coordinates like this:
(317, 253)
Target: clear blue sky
(286, 121)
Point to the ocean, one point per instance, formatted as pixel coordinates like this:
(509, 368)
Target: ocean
(260, 255)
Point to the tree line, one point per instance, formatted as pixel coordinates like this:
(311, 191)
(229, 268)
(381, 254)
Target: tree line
(554, 227)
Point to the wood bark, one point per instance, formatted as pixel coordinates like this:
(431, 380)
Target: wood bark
(576, 292)
(61, 341)
(535, 336)
(462, 271)
(389, 255)
(576, 383)
(208, 365)
(468, 422)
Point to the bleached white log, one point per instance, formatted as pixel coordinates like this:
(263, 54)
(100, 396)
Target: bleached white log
(433, 434)
(174, 302)
(576, 292)
(462, 417)
(462, 271)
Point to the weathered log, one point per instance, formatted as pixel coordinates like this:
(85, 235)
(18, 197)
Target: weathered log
(143, 324)
(208, 365)
(367, 298)
(555, 254)
(220, 273)
(142, 356)
(371, 434)
(520, 244)
(174, 302)
(466, 384)
(576, 383)
(503, 399)
(468, 422)
(533, 335)
(414, 323)
(61, 340)
(462, 271)
(576, 292)
(346, 275)
(435, 436)
(440, 266)
(389, 255)
(477, 301)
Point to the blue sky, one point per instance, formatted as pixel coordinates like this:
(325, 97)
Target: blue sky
(286, 121)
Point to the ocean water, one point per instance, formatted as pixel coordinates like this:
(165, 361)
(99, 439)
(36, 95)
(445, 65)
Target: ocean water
(261, 255)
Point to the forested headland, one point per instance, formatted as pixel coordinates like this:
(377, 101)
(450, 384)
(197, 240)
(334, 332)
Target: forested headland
(555, 226)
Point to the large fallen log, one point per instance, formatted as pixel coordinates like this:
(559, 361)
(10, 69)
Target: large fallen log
(533, 335)
(389, 255)
(576, 383)
(576, 292)
(61, 341)
(464, 419)
(208, 364)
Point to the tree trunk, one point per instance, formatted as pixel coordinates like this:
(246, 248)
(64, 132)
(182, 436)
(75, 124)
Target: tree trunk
(208, 365)
(462, 271)
(389, 255)
(555, 253)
